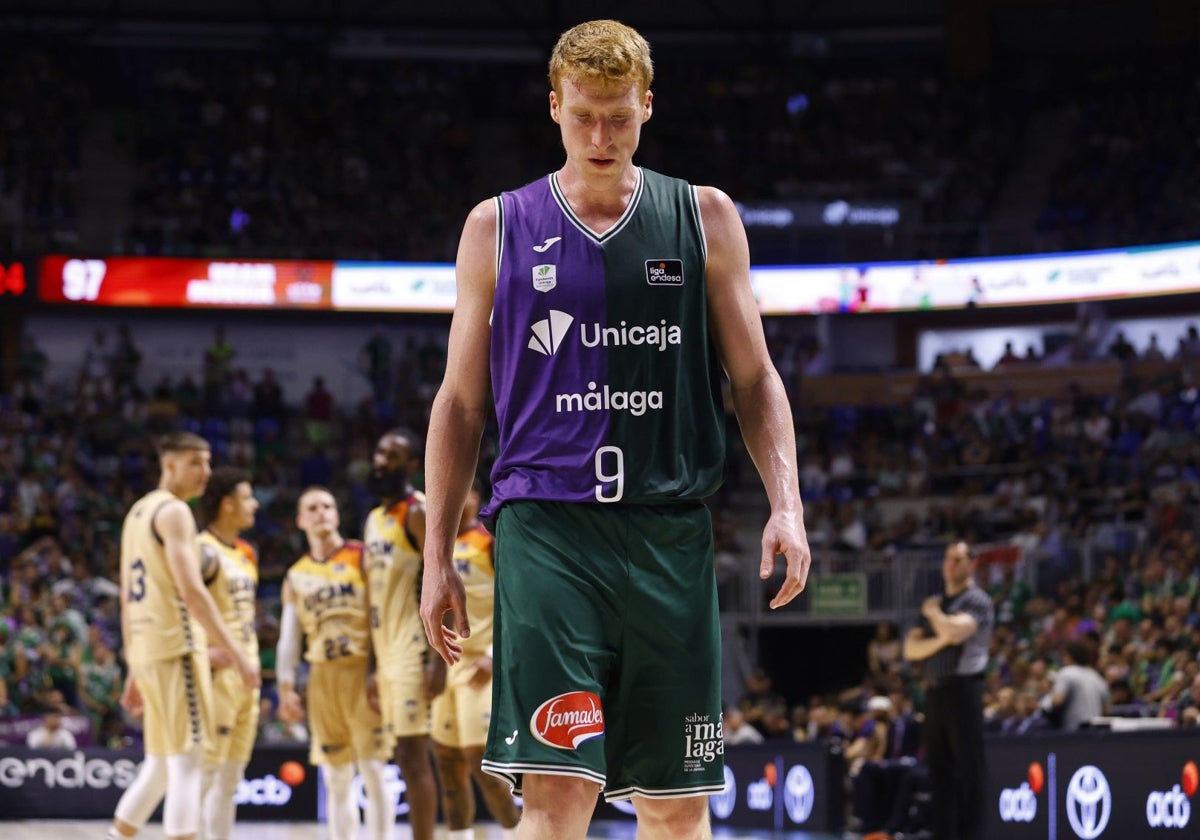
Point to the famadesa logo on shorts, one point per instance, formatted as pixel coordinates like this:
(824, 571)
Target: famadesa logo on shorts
(566, 721)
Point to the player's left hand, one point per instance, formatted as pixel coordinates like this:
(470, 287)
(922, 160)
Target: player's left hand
(784, 534)
(218, 657)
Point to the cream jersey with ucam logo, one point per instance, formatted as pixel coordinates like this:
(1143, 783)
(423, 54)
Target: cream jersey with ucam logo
(231, 573)
(394, 566)
(331, 602)
(474, 564)
(158, 622)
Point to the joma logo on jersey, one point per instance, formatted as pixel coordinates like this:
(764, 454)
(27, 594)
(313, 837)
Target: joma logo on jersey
(635, 402)
(658, 335)
(548, 334)
(664, 272)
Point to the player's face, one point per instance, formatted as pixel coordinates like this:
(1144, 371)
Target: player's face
(187, 472)
(601, 124)
(244, 506)
(390, 467)
(318, 514)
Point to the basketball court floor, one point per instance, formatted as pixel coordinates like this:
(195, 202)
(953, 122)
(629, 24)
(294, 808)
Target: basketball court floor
(94, 830)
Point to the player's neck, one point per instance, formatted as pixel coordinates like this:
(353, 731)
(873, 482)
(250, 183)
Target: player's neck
(223, 532)
(322, 548)
(600, 194)
(176, 490)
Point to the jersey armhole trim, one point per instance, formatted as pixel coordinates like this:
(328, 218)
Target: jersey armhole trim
(695, 203)
(153, 517)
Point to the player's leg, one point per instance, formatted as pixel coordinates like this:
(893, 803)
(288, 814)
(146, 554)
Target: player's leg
(181, 811)
(458, 800)
(221, 782)
(672, 819)
(235, 722)
(495, 792)
(381, 809)
(412, 755)
(556, 807)
(340, 807)
(140, 799)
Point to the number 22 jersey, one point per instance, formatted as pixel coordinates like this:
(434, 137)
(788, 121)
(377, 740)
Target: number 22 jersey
(331, 602)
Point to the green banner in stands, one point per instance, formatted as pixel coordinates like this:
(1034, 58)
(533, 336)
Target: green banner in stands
(839, 595)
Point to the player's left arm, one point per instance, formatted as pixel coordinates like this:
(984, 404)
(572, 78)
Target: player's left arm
(759, 399)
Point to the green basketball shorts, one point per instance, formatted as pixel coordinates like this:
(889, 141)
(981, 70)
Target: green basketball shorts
(607, 648)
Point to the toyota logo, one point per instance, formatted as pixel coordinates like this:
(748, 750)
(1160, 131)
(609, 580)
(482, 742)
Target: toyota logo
(723, 803)
(798, 793)
(1089, 802)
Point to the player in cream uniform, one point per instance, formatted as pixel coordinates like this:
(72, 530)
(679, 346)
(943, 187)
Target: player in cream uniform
(325, 601)
(229, 566)
(407, 676)
(461, 713)
(168, 618)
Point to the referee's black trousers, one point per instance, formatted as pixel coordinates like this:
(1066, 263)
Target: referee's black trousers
(954, 752)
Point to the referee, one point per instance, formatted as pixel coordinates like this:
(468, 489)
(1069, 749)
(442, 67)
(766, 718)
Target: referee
(952, 640)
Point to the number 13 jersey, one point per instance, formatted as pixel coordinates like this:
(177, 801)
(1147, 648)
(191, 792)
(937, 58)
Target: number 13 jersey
(607, 383)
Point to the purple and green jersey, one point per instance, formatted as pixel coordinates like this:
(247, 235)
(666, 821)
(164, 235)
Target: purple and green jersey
(606, 380)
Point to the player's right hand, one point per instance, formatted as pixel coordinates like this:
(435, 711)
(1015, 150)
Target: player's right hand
(131, 698)
(290, 710)
(442, 592)
(249, 670)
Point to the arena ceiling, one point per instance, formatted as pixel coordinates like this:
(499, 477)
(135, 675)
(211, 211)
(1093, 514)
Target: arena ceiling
(516, 25)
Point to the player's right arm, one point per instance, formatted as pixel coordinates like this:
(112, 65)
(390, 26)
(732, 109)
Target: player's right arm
(177, 527)
(455, 428)
(131, 698)
(287, 657)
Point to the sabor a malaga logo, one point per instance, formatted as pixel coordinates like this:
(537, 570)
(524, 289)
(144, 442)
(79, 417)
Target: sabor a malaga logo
(1089, 802)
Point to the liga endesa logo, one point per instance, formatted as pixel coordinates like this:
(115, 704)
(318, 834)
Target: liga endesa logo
(566, 721)
(270, 790)
(1173, 808)
(73, 772)
(1020, 804)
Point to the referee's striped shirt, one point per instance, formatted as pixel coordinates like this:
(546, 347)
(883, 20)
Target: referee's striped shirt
(971, 656)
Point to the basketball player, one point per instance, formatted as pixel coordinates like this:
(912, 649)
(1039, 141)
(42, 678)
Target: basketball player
(605, 300)
(461, 712)
(325, 601)
(407, 676)
(164, 606)
(229, 566)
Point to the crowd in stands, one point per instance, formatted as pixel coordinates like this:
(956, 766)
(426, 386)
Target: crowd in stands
(1044, 474)
(289, 154)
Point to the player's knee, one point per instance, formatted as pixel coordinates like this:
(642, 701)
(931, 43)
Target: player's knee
(683, 818)
(555, 793)
(412, 754)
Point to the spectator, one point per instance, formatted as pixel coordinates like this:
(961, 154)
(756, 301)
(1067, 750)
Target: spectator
(737, 731)
(50, 734)
(1080, 693)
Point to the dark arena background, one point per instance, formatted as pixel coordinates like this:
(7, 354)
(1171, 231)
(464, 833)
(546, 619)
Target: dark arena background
(974, 238)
